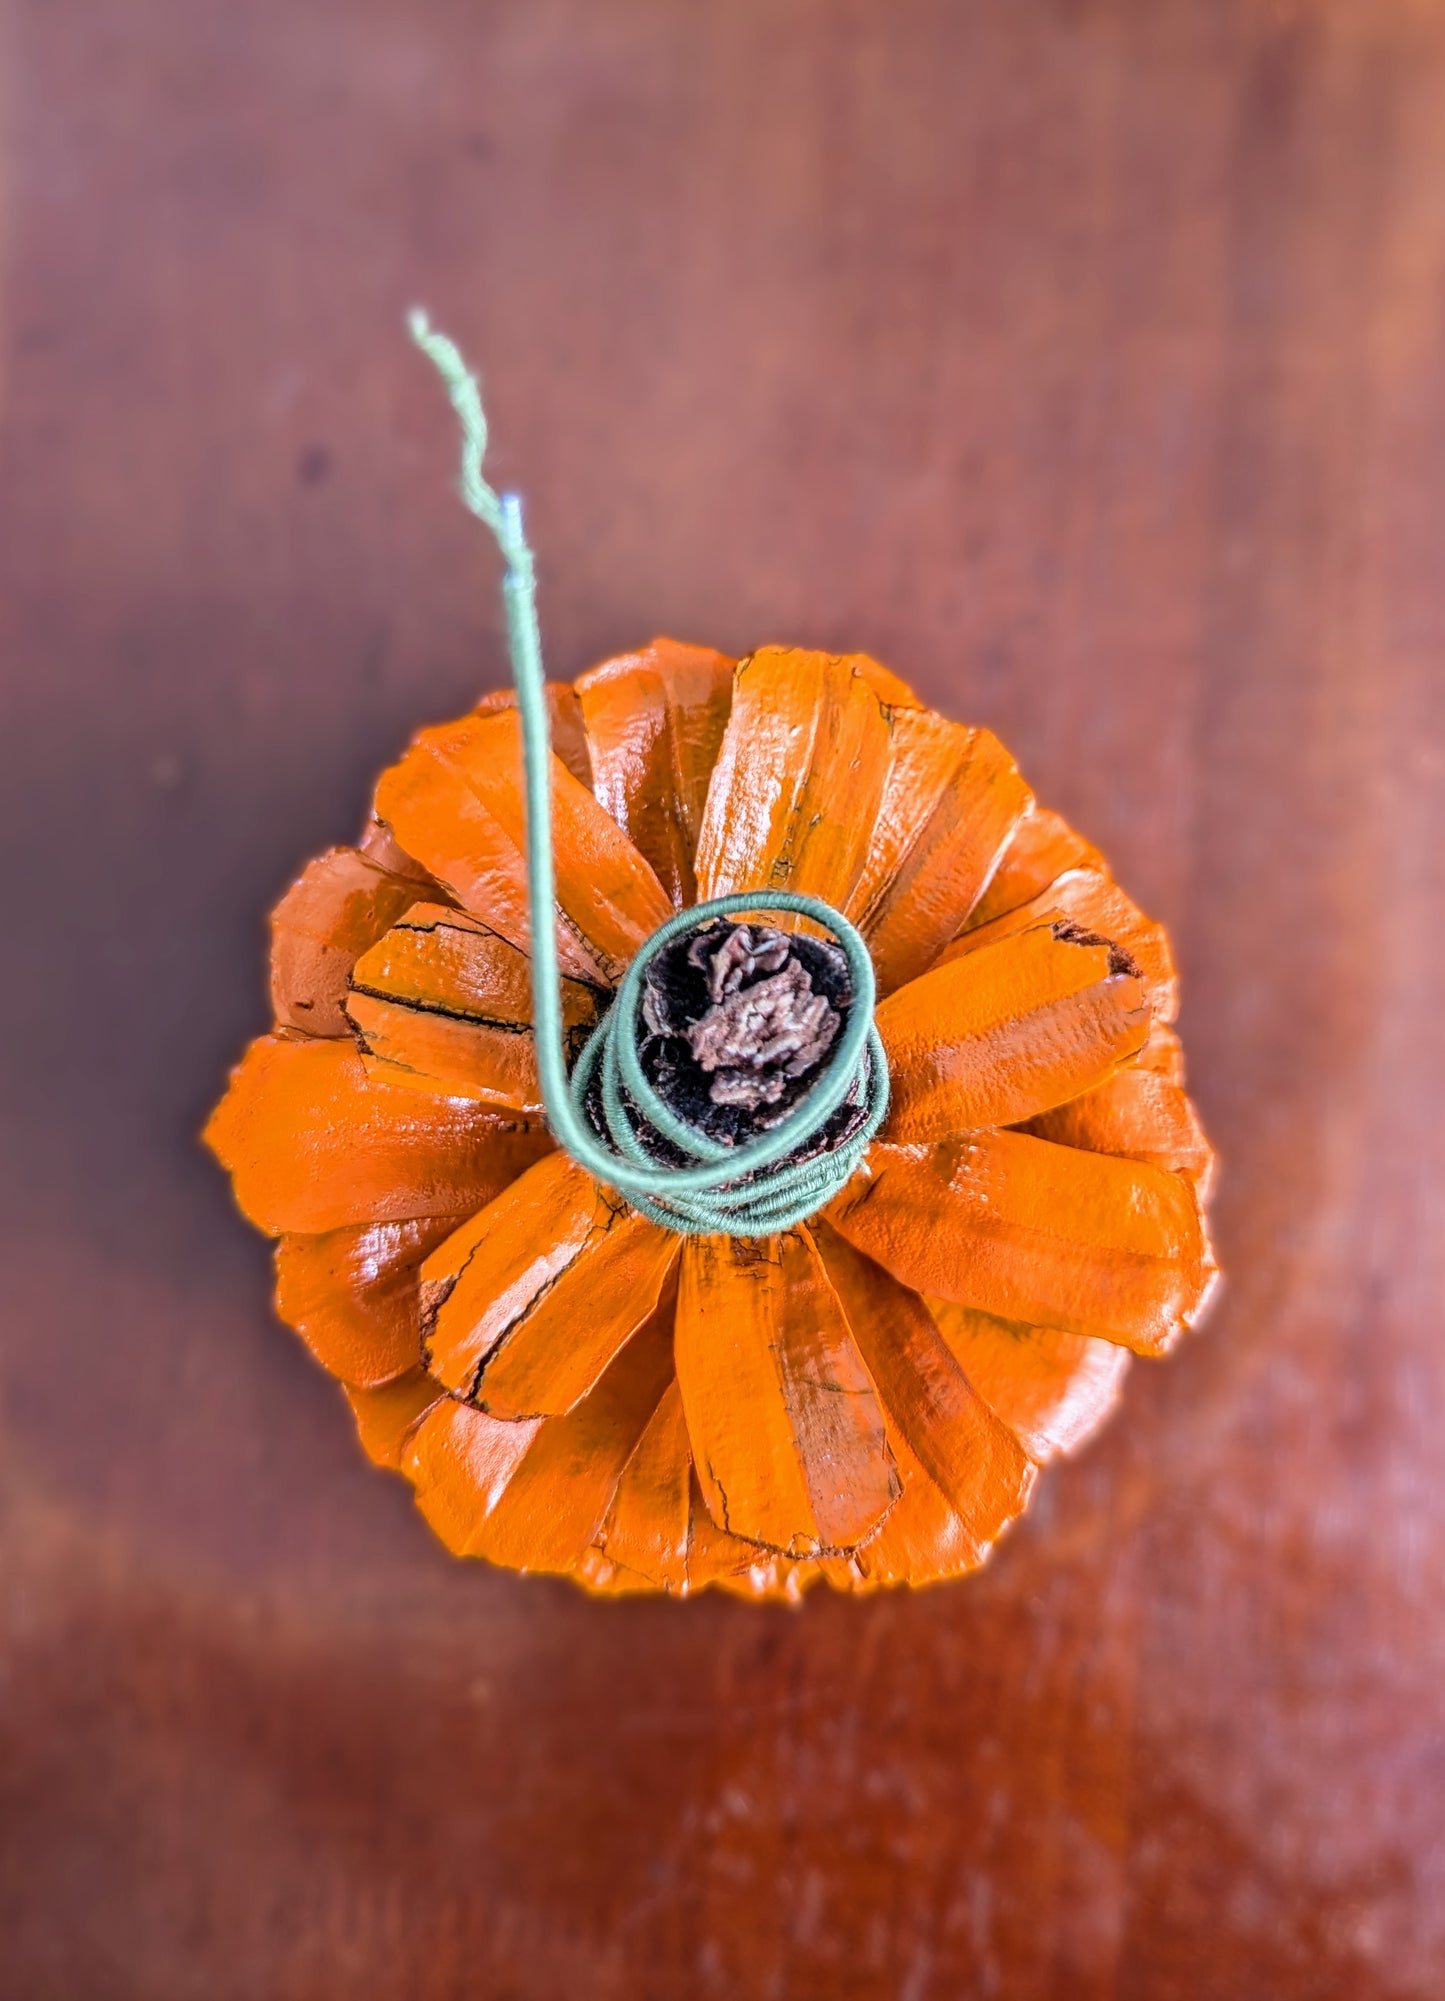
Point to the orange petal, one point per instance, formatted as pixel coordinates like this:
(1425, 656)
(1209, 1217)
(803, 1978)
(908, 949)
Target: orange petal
(998, 1034)
(924, 1540)
(338, 906)
(460, 1462)
(798, 780)
(710, 1556)
(1138, 1115)
(658, 1534)
(313, 1143)
(548, 1359)
(1041, 849)
(445, 1004)
(455, 800)
(352, 1295)
(786, 1432)
(1091, 899)
(974, 1461)
(1030, 1231)
(564, 725)
(527, 1303)
(645, 1533)
(609, 1580)
(952, 798)
(487, 1274)
(1053, 1390)
(887, 685)
(1163, 1053)
(655, 720)
(533, 1493)
(381, 846)
(386, 1417)
(716, 1558)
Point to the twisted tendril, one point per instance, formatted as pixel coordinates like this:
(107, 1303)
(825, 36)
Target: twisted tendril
(742, 1191)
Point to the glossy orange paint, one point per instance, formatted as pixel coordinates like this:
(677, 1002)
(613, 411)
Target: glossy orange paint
(314, 1142)
(1047, 1234)
(1008, 1031)
(1092, 900)
(455, 802)
(654, 722)
(443, 1003)
(354, 1295)
(863, 1401)
(951, 800)
(786, 1430)
(799, 778)
(339, 906)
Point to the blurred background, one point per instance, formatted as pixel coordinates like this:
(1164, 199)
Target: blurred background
(1085, 361)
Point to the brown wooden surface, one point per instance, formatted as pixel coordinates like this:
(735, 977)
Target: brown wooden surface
(1086, 362)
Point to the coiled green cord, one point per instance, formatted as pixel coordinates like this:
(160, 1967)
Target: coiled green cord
(742, 1191)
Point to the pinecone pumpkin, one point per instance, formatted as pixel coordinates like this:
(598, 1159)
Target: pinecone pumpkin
(571, 1387)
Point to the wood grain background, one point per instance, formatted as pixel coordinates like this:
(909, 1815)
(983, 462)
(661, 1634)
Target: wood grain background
(1083, 359)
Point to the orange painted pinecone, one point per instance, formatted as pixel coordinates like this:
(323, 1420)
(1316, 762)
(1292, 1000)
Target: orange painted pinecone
(571, 1388)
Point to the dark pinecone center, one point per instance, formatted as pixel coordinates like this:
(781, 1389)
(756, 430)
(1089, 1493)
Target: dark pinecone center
(737, 1020)
(766, 1023)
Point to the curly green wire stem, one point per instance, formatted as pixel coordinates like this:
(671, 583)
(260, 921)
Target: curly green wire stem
(743, 1191)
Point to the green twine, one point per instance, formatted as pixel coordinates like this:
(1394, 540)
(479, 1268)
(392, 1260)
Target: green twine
(743, 1191)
